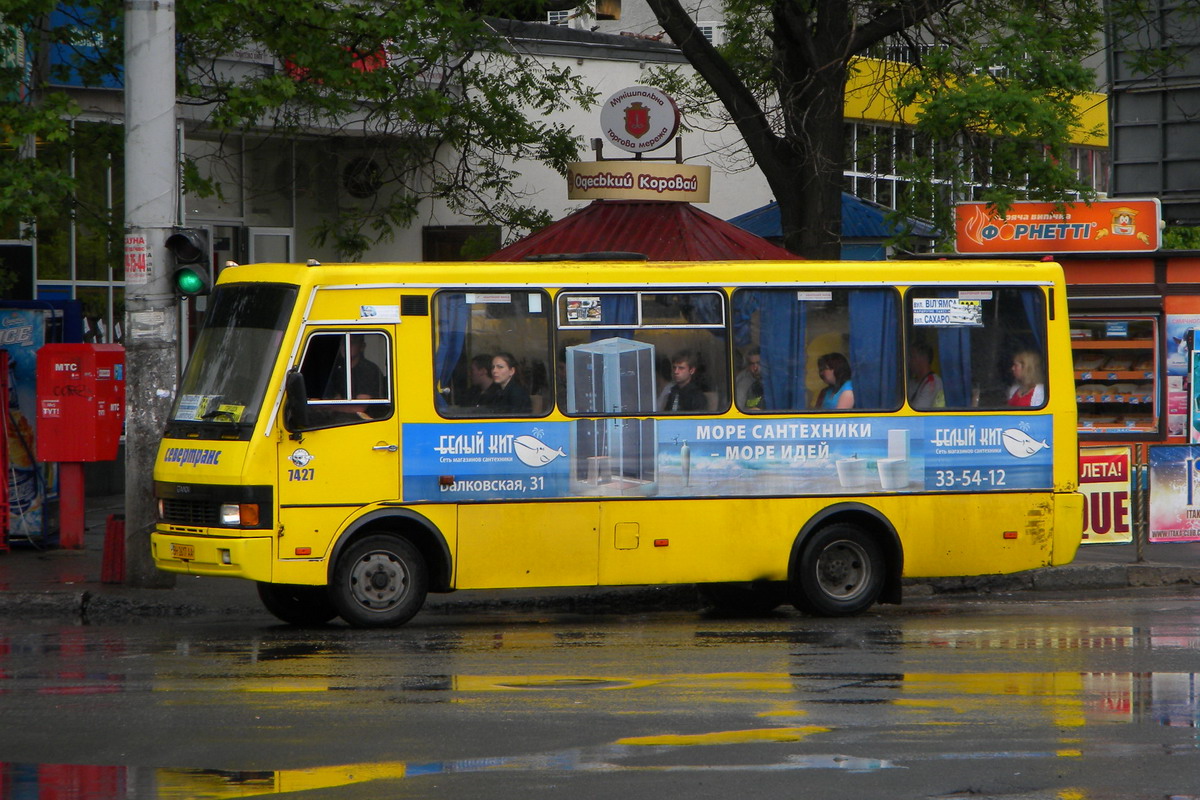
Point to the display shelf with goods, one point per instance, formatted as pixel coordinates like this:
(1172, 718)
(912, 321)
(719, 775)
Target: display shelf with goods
(1116, 374)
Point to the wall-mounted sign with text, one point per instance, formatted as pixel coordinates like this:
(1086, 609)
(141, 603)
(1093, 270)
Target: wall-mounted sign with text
(1106, 226)
(638, 180)
(639, 119)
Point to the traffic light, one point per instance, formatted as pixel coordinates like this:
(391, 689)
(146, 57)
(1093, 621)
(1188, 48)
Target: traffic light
(193, 261)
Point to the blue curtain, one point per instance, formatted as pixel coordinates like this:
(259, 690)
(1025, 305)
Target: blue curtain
(452, 317)
(706, 309)
(954, 356)
(954, 353)
(1031, 299)
(745, 304)
(617, 309)
(781, 322)
(874, 354)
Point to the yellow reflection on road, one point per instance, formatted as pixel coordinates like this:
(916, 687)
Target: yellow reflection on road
(222, 784)
(725, 737)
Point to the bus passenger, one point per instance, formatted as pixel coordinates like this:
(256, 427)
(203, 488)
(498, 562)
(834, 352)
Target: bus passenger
(925, 389)
(366, 378)
(506, 394)
(1030, 386)
(834, 370)
(748, 385)
(684, 393)
(480, 379)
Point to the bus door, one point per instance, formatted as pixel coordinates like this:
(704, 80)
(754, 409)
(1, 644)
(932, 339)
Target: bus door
(347, 453)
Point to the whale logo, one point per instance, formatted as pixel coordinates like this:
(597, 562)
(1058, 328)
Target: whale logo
(1020, 444)
(534, 452)
(301, 457)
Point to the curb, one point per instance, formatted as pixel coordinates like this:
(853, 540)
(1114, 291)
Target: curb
(89, 607)
(1060, 579)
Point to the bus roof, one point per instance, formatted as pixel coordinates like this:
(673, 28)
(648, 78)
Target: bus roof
(544, 274)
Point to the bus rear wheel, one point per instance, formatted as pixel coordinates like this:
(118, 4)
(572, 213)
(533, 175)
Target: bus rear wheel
(297, 605)
(840, 573)
(379, 582)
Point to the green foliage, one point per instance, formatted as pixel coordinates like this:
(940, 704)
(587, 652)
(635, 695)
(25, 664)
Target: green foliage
(995, 107)
(993, 85)
(440, 100)
(1180, 238)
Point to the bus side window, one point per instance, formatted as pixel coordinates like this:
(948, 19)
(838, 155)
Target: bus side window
(986, 347)
(640, 352)
(492, 353)
(347, 377)
(792, 332)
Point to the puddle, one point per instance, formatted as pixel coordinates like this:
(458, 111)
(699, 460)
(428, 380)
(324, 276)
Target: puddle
(89, 782)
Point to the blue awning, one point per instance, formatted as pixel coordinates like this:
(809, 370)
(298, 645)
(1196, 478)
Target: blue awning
(861, 219)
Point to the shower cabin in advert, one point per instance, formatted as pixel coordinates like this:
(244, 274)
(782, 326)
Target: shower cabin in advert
(613, 455)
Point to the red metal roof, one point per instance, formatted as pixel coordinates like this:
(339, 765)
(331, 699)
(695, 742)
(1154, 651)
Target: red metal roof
(663, 231)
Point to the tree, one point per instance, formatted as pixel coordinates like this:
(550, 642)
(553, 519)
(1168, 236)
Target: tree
(990, 89)
(432, 95)
(28, 187)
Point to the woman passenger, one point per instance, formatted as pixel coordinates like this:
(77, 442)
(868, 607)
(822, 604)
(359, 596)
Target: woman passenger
(834, 370)
(1030, 386)
(506, 395)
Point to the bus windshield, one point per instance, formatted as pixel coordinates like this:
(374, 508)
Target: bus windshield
(227, 376)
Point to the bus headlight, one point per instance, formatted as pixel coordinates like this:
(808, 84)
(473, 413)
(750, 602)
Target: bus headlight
(235, 515)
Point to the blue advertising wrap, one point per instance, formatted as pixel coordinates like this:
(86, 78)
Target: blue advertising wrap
(680, 458)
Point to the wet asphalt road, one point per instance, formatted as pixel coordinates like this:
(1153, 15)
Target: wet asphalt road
(1086, 698)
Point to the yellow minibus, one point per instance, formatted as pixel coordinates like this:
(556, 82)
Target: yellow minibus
(354, 436)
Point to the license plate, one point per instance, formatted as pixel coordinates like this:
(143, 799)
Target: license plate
(184, 552)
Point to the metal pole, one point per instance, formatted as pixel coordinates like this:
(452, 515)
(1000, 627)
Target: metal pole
(1142, 505)
(151, 310)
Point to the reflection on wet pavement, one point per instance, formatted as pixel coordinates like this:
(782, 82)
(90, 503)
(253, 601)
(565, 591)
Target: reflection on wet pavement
(798, 704)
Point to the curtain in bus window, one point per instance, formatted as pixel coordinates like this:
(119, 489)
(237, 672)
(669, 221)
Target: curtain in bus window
(618, 309)
(954, 352)
(1031, 300)
(741, 316)
(452, 318)
(874, 340)
(781, 323)
(783, 351)
(706, 308)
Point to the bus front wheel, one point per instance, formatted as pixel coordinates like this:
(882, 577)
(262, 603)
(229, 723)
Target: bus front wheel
(297, 605)
(379, 582)
(840, 573)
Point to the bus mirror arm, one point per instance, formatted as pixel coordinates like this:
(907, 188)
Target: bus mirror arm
(295, 404)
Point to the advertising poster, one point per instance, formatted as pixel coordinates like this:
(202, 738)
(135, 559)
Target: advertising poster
(1174, 499)
(612, 457)
(1193, 400)
(1180, 338)
(22, 332)
(1105, 479)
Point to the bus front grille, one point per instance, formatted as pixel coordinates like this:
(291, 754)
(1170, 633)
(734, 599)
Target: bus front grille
(189, 512)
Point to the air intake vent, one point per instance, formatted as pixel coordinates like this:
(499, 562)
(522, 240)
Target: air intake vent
(414, 305)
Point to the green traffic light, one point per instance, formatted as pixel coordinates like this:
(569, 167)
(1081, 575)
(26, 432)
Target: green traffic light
(188, 281)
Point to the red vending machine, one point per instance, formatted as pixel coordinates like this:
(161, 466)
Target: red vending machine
(80, 414)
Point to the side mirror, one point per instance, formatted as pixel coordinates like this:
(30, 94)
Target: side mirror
(295, 402)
